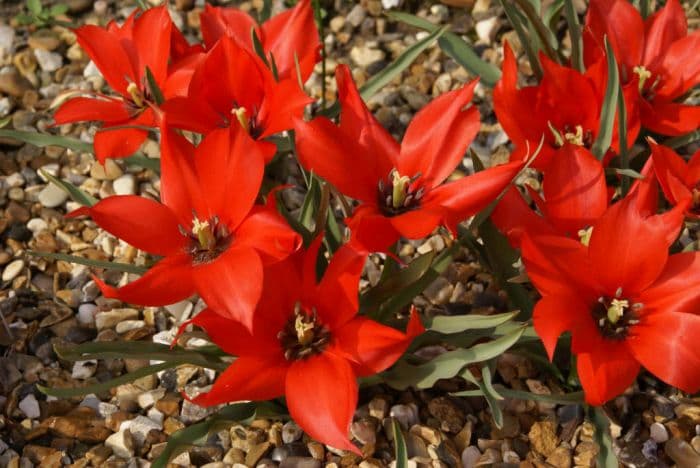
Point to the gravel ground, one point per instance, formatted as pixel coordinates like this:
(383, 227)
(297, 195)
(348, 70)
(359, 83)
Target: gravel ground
(45, 302)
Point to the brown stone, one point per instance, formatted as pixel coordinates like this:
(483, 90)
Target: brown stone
(543, 437)
(256, 452)
(169, 405)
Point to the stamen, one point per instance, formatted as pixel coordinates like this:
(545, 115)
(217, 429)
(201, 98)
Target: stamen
(242, 116)
(400, 190)
(643, 74)
(617, 310)
(135, 94)
(558, 140)
(575, 138)
(203, 232)
(585, 235)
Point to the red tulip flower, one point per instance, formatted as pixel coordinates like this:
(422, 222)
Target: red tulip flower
(563, 109)
(123, 54)
(679, 180)
(626, 302)
(213, 239)
(231, 86)
(308, 344)
(286, 38)
(658, 59)
(400, 187)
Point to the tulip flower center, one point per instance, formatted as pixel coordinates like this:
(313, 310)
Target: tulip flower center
(646, 85)
(575, 135)
(303, 336)
(208, 239)
(695, 206)
(137, 96)
(614, 316)
(244, 118)
(584, 235)
(398, 194)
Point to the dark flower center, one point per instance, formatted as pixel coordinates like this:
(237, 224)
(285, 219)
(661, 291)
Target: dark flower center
(695, 205)
(303, 336)
(397, 193)
(207, 239)
(647, 82)
(574, 134)
(247, 120)
(615, 316)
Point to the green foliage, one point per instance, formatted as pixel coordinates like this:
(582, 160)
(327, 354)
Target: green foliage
(42, 17)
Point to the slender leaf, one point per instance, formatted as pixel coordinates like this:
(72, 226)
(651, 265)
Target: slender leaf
(144, 162)
(552, 13)
(547, 39)
(527, 44)
(644, 8)
(400, 451)
(266, 11)
(456, 47)
(58, 9)
(154, 88)
(448, 365)
(197, 433)
(75, 193)
(610, 104)
(682, 140)
(125, 267)
(108, 385)
(576, 37)
(461, 323)
(565, 399)
(258, 47)
(606, 456)
(311, 201)
(629, 173)
(41, 140)
(492, 397)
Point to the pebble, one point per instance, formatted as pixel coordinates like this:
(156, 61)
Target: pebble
(86, 313)
(139, 427)
(365, 56)
(125, 185)
(30, 406)
(470, 456)
(121, 443)
(682, 453)
(128, 325)
(486, 29)
(12, 270)
(84, 369)
(7, 36)
(337, 23)
(52, 196)
(291, 432)
(658, 433)
(12, 83)
(5, 107)
(110, 171)
(113, 317)
(48, 61)
(36, 225)
(148, 399)
(406, 415)
(356, 16)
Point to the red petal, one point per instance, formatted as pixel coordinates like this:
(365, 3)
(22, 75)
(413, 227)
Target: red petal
(512, 216)
(167, 282)
(371, 346)
(119, 143)
(666, 344)
(663, 28)
(418, 223)
(233, 337)
(614, 249)
(337, 293)
(607, 372)
(217, 22)
(179, 187)
(180, 75)
(438, 136)
(290, 34)
(257, 378)
(109, 55)
(508, 101)
(669, 118)
(552, 316)
(237, 275)
(624, 27)
(143, 223)
(575, 190)
(670, 171)
(677, 288)
(284, 101)
(151, 37)
(680, 67)
(266, 231)
(81, 109)
(229, 168)
(371, 230)
(321, 397)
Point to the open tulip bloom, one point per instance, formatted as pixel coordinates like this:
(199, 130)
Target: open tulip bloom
(679, 180)
(207, 228)
(626, 302)
(308, 344)
(400, 187)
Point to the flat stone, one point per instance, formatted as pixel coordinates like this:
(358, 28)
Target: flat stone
(86, 313)
(128, 325)
(121, 443)
(14, 84)
(48, 61)
(124, 185)
(470, 456)
(109, 171)
(84, 369)
(111, 318)
(658, 433)
(52, 196)
(543, 437)
(365, 56)
(30, 406)
(12, 270)
(139, 427)
(682, 453)
(7, 36)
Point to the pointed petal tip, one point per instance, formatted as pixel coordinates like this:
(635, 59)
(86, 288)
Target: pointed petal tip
(82, 211)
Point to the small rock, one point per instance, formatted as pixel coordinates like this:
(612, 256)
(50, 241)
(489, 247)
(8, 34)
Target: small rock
(470, 456)
(78, 6)
(125, 185)
(128, 325)
(658, 433)
(48, 61)
(148, 399)
(12, 270)
(356, 16)
(44, 39)
(682, 453)
(113, 317)
(364, 56)
(14, 84)
(52, 196)
(86, 313)
(36, 225)
(109, 171)
(7, 36)
(291, 432)
(30, 406)
(543, 437)
(84, 369)
(486, 29)
(406, 415)
(121, 443)
(5, 107)
(139, 427)
(300, 462)
(337, 23)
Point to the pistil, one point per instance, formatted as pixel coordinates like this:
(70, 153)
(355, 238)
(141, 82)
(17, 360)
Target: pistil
(303, 335)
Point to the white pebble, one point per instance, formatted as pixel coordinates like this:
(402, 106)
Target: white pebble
(86, 313)
(30, 407)
(12, 270)
(121, 443)
(36, 225)
(128, 325)
(84, 369)
(658, 433)
(48, 61)
(125, 185)
(52, 196)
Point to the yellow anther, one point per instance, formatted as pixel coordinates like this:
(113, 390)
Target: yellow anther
(242, 116)
(304, 329)
(400, 185)
(135, 94)
(204, 233)
(643, 74)
(584, 235)
(617, 309)
(575, 138)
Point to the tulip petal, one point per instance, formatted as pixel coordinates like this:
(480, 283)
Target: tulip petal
(680, 67)
(370, 230)
(257, 378)
(143, 223)
(217, 22)
(81, 109)
(620, 21)
(607, 372)
(438, 136)
(670, 171)
(109, 56)
(321, 397)
(167, 282)
(662, 29)
(552, 316)
(118, 143)
(669, 118)
(266, 231)
(338, 290)
(151, 37)
(284, 100)
(512, 216)
(666, 344)
(417, 223)
(678, 286)
(179, 186)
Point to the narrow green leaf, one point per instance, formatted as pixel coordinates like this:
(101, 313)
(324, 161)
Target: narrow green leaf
(606, 456)
(266, 11)
(565, 399)
(400, 451)
(153, 88)
(552, 13)
(125, 267)
(41, 140)
(576, 37)
(545, 36)
(334, 237)
(461, 323)
(644, 8)
(456, 47)
(258, 47)
(527, 44)
(630, 173)
(108, 385)
(197, 433)
(610, 104)
(448, 365)
(34, 6)
(144, 162)
(310, 205)
(75, 193)
(487, 390)
(682, 140)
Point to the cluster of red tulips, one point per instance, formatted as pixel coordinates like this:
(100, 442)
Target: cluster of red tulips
(595, 249)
